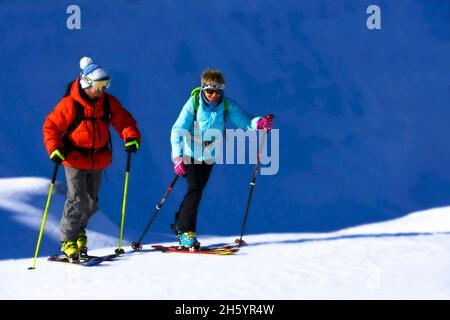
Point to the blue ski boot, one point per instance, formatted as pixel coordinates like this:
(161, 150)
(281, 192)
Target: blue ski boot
(188, 240)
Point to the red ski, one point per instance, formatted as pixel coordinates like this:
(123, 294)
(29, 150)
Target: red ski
(221, 251)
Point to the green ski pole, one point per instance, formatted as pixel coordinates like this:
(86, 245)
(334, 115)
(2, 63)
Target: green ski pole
(119, 250)
(44, 218)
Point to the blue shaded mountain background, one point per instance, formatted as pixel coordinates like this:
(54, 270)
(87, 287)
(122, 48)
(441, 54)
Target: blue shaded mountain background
(363, 114)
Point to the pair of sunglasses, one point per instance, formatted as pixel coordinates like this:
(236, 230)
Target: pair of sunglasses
(210, 91)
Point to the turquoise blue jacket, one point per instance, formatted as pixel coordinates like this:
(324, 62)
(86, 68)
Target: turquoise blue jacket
(207, 118)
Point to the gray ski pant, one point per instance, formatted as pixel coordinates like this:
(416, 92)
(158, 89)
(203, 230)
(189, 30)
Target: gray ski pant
(81, 202)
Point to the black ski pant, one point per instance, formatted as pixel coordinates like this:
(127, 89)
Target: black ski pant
(197, 177)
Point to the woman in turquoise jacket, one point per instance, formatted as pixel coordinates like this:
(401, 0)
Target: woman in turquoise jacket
(206, 109)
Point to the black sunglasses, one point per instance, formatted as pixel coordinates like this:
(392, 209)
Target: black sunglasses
(210, 91)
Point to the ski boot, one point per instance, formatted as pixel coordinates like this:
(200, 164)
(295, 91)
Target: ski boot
(188, 240)
(82, 242)
(70, 249)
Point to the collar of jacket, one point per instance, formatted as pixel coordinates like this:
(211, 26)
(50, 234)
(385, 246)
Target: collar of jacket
(84, 96)
(211, 104)
(78, 94)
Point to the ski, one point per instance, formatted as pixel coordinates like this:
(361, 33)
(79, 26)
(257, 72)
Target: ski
(221, 251)
(109, 257)
(85, 263)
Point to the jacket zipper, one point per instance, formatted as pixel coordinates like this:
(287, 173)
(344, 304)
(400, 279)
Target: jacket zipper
(93, 139)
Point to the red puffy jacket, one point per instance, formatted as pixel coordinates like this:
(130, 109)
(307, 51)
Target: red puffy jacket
(92, 134)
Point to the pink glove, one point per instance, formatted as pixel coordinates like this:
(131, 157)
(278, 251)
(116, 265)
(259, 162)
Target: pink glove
(179, 168)
(265, 123)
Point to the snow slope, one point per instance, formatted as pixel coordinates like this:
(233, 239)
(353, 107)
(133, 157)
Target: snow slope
(401, 259)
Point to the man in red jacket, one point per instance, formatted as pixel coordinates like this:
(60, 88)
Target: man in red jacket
(76, 135)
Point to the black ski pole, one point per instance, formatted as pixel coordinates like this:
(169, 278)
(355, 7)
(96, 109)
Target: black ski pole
(239, 241)
(137, 244)
(44, 218)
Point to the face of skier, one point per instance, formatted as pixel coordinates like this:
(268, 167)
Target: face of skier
(97, 90)
(213, 94)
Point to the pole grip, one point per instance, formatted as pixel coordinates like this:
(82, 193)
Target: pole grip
(55, 173)
(128, 162)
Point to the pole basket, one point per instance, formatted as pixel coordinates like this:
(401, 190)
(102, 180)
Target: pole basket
(119, 251)
(136, 246)
(240, 242)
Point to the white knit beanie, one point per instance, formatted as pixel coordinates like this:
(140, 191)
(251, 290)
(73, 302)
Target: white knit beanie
(90, 72)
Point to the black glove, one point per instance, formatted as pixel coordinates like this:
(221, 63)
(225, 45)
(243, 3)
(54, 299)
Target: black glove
(132, 145)
(57, 156)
